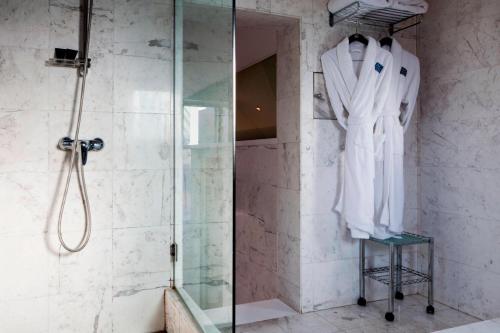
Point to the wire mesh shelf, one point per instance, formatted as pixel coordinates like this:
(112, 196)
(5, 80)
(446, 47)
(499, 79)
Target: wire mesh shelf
(408, 276)
(365, 14)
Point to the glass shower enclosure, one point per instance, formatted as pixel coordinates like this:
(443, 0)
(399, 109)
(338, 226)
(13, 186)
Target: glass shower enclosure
(204, 160)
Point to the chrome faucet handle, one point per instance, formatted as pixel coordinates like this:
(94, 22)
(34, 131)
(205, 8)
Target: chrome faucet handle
(96, 144)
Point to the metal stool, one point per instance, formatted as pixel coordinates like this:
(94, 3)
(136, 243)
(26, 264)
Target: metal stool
(396, 275)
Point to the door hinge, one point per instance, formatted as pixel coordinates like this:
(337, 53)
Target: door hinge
(173, 251)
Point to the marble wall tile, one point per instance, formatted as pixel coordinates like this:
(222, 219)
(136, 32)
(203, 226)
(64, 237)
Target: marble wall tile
(464, 239)
(323, 192)
(463, 96)
(434, 22)
(335, 283)
(327, 155)
(86, 270)
(23, 67)
(257, 163)
(288, 215)
(64, 26)
(262, 249)
(99, 189)
(289, 292)
(470, 11)
(140, 311)
(23, 199)
(468, 192)
(472, 48)
(480, 295)
(471, 143)
(262, 284)
(302, 9)
(136, 200)
(25, 22)
(412, 141)
(202, 23)
(262, 203)
(289, 259)
(140, 258)
(18, 150)
(411, 179)
(288, 164)
(325, 238)
(143, 30)
(65, 86)
(99, 5)
(93, 125)
(141, 141)
(81, 312)
(26, 275)
(142, 85)
(25, 316)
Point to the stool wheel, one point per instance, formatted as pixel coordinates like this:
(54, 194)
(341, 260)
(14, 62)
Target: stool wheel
(361, 301)
(399, 295)
(429, 309)
(389, 316)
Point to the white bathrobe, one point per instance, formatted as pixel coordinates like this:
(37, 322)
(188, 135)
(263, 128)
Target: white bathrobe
(360, 92)
(389, 134)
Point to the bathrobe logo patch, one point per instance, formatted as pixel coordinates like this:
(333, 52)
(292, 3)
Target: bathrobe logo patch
(403, 71)
(378, 67)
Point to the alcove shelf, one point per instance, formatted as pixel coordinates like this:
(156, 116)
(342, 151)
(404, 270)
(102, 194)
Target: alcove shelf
(364, 14)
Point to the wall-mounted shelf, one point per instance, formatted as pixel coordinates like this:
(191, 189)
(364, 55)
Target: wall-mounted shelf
(364, 14)
(77, 63)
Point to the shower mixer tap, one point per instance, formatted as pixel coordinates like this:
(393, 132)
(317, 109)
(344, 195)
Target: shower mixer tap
(67, 143)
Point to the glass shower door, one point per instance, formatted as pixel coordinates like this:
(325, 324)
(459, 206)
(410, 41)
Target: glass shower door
(204, 158)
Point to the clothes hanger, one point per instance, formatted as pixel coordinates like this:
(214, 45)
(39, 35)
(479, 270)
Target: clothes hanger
(386, 41)
(357, 37)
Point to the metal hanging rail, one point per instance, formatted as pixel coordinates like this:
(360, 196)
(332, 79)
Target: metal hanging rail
(364, 14)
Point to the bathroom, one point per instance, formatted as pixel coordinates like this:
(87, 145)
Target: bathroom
(159, 218)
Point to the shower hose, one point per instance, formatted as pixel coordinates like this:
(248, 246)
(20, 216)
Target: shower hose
(76, 154)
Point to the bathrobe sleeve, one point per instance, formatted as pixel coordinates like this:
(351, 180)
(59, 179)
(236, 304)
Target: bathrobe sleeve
(383, 85)
(332, 73)
(410, 99)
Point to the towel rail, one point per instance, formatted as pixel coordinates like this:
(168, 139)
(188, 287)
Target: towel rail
(364, 14)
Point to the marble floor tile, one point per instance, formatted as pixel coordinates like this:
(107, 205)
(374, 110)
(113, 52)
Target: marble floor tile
(410, 318)
(488, 326)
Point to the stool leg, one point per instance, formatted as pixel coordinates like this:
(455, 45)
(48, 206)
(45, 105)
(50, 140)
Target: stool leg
(389, 315)
(362, 299)
(399, 272)
(430, 284)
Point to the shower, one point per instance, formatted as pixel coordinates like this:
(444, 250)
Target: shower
(78, 148)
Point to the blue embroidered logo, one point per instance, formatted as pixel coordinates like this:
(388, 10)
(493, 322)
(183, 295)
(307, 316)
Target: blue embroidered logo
(403, 71)
(378, 67)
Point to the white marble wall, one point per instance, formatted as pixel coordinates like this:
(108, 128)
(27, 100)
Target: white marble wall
(273, 180)
(460, 54)
(116, 283)
(256, 210)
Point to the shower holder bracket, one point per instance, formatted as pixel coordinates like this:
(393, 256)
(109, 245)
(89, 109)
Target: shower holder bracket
(68, 63)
